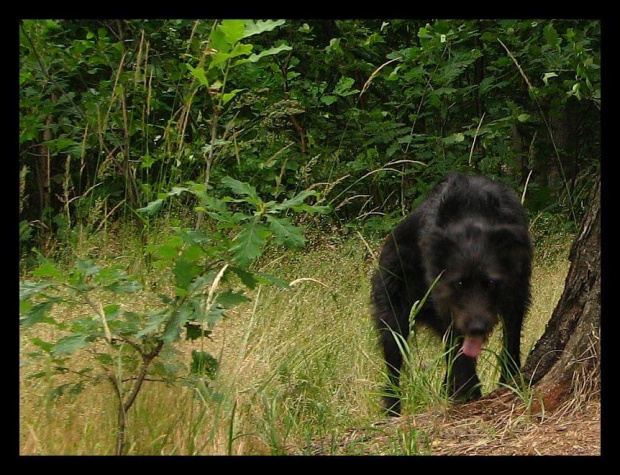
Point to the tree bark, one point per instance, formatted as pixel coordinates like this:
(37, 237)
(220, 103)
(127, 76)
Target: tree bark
(566, 359)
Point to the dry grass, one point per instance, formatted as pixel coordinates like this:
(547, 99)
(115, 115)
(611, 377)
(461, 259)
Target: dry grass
(300, 373)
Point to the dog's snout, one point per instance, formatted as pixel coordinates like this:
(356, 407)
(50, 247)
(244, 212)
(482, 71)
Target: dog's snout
(477, 328)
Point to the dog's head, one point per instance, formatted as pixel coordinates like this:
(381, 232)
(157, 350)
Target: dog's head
(478, 262)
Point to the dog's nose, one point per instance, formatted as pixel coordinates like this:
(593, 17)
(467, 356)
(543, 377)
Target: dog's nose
(476, 328)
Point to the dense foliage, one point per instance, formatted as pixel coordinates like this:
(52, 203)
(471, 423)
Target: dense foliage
(369, 113)
(246, 129)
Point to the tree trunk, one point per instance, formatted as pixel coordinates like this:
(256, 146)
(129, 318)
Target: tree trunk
(566, 359)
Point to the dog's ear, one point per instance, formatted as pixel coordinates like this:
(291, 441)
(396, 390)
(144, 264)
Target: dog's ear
(513, 247)
(510, 236)
(449, 208)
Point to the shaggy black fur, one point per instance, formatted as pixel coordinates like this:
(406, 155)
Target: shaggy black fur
(475, 231)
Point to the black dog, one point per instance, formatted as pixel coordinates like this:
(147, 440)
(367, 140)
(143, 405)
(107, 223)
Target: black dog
(473, 231)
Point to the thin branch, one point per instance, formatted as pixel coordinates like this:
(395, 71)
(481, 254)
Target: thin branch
(549, 130)
(473, 143)
(138, 384)
(98, 308)
(126, 380)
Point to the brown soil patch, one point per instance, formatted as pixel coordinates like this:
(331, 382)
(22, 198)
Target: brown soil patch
(490, 426)
(510, 431)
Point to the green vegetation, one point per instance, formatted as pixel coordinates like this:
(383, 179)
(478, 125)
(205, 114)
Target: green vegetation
(184, 186)
(368, 113)
(298, 369)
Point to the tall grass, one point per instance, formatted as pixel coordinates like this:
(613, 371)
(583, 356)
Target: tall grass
(299, 370)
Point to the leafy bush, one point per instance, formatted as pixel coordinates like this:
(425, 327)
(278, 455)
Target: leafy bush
(200, 267)
(370, 112)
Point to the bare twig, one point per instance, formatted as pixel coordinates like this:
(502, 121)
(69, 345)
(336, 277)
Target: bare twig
(98, 308)
(473, 143)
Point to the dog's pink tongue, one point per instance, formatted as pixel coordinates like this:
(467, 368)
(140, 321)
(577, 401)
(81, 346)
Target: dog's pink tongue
(472, 346)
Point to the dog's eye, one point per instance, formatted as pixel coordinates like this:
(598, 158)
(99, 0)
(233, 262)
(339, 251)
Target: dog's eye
(459, 284)
(492, 283)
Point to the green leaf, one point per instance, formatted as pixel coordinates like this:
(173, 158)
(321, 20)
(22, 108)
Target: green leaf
(219, 41)
(126, 286)
(241, 188)
(147, 161)
(250, 242)
(36, 313)
(230, 299)
(177, 190)
(193, 331)
(286, 234)
(238, 50)
(305, 208)
(187, 312)
(58, 145)
(213, 204)
(110, 275)
(234, 30)
(334, 46)
(47, 269)
(204, 364)
(193, 253)
(29, 288)
(258, 27)
(198, 73)
(248, 278)
(184, 272)
(152, 208)
(190, 236)
(87, 326)
(268, 52)
(551, 36)
(87, 267)
(423, 32)
(230, 95)
(166, 251)
(343, 88)
(218, 142)
(128, 325)
(454, 138)
(25, 231)
(547, 76)
(154, 321)
(44, 345)
(70, 344)
(214, 315)
(112, 312)
(297, 204)
(268, 279)
(104, 359)
(295, 201)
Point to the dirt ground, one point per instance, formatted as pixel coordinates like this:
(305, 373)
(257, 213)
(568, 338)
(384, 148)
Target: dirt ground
(509, 431)
(499, 426)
